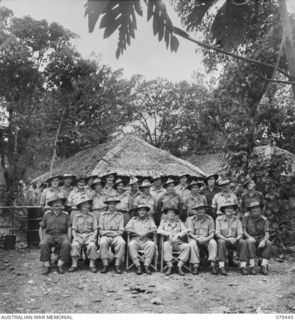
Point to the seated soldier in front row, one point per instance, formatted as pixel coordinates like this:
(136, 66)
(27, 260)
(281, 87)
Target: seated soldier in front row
(174, 231)
(229, 232)
(84, 230)
(55, 231)
(141, 228)
(256, 230)
(201, 230)
(111, 228)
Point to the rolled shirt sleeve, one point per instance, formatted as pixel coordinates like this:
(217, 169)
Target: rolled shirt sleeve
(130, 226)
(43, 222)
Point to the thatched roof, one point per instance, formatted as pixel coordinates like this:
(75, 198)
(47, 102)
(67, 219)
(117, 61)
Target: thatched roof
(129, 156)
(209, 163)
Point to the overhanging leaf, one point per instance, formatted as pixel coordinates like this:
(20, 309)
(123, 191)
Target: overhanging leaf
(230, 23)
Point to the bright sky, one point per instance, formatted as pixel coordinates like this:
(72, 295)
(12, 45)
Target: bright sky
(145, 55)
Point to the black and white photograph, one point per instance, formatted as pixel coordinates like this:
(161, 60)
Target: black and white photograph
(147, 158)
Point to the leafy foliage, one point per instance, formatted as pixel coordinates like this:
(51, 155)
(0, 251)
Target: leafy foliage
(122, 16)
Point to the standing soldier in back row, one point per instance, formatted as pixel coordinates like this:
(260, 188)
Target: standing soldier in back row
(224, 195)
(182, 188)
(168, 200)
(52, 190)
(210, 190)
(146, 197)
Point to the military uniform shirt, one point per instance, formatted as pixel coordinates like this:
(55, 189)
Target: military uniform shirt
(124, 201)
(220, 198)
(157, 193)
(169, 201)
(66, 191)
(75, 196)
(84, 223)
(194, 200)
(256, 227)
(201, 226)
(98, 202)
(111, 221)
(209, 194)
(49, 193)
(141, 226)
(109, 192)
(247, 199)
(55, 224)
(173, 228)
(149, 200)
(183, 192)
(228, 227)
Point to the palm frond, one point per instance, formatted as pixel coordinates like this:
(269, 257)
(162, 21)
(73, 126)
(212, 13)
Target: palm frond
(116, 15)
(121, 15)
(193, 12)
(162, 24)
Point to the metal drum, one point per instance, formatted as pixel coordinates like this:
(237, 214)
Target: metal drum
(35, 215)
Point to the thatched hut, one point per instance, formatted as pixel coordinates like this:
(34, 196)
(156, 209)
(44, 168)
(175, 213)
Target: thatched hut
(129, 156)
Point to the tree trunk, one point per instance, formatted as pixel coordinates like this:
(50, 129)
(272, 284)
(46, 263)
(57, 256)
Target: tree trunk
(56, 138)
(289, 43)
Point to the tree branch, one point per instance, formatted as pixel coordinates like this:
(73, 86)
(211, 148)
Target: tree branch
(186, 36)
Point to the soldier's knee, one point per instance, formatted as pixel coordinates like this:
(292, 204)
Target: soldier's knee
(121, 241)
(212, 243)
(221, 242)
(131, 244)
(167, 245)
(103, 241)
(75, 244)
(92, 244)
(44, 244)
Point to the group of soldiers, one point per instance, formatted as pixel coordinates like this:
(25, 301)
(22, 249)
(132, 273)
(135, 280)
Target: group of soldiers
(192, 215)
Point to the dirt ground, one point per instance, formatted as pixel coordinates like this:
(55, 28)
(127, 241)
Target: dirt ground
(24, 290)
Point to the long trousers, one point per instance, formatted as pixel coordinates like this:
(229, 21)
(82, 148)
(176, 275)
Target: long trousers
(183, 247)
(195, 247)
(148, 246)
(117, 243)
(254, 251)
(240, 246)
(60, 241)
(88, 242)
